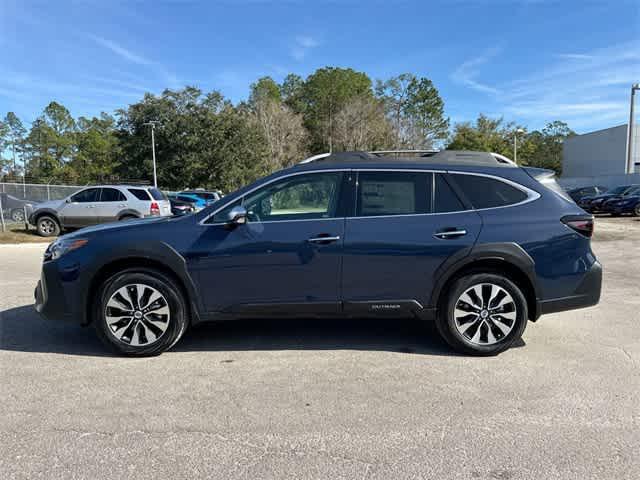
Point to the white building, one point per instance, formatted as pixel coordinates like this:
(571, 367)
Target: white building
(600, 158)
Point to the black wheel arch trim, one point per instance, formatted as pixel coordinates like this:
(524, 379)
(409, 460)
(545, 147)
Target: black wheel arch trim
(129, 212)
(159, 254)
(33, 218)
(507, 252)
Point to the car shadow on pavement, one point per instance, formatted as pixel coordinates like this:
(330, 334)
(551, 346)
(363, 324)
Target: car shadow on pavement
(22, 329)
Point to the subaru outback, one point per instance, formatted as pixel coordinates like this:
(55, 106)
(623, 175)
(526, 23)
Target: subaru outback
(466, 239)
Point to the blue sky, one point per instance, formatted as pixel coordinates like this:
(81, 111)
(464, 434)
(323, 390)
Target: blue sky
(528, 61)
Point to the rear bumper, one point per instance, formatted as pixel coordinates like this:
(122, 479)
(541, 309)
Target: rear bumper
(586, 295)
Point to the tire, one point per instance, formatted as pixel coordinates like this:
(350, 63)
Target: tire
(470, 327)
(48, 226)
(636, 210)
(17, 215)
(141, 334)
(127, 217)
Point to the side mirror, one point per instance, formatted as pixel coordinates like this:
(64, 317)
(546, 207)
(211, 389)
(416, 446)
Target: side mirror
(69, 200)
(237, 215)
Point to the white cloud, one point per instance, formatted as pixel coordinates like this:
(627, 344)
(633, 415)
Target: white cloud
(121, 51)
(580, 88)
(302, 45)
(468, 71)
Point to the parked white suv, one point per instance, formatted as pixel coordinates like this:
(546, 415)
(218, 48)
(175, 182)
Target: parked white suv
(99, 204)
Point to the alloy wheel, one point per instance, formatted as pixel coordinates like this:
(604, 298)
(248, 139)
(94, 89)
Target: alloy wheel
(485, 314)
(17, 216)
(47, 226)
(137, 314)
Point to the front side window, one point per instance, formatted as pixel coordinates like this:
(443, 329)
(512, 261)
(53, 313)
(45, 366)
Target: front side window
(485, 192)
(393, 193)
(87, 196)
(299, 197)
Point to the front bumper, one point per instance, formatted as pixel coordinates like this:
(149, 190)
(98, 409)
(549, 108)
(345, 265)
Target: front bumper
(59, 294)
(586, 295)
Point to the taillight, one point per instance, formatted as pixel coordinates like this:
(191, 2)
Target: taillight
(155, 209)
(582, 225)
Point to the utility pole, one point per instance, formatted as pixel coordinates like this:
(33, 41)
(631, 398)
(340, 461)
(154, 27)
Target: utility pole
(631, 127)
(515, 143)
(153, 124)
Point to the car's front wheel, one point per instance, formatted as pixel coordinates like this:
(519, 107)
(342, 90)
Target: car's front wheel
(47, 226)
(483, 314)
(17, 215)
(140, 312)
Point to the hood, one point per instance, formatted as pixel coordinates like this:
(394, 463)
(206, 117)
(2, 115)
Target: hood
(123, 225)
(52, 204)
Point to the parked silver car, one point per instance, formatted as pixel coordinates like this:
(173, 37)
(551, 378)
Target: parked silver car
(100, 204)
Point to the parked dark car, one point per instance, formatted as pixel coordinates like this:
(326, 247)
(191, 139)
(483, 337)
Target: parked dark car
(595, 204)
(180, 207)
(13, 207)
(627, 204)
(579, 193)
(466, 239)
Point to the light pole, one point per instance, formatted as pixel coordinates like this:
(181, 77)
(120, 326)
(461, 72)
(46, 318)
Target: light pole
(515, 143)
(630, 165)
(153, 124)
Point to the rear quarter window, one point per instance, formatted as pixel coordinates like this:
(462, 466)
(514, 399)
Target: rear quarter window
(485, 192)
(157, 194)
(140, 194)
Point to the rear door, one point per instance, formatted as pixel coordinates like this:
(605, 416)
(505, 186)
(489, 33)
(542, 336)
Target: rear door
(405, 225)
(112, 202)
(80, 210)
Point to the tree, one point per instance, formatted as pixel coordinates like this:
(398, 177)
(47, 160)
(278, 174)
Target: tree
(98, 152)
(264, 89)
(14, 137)
(415, 109)
(486, 135)
(324, 94)
(202, 141)
(282, 129)
(4, 131)
(361, 124)
(543, 149)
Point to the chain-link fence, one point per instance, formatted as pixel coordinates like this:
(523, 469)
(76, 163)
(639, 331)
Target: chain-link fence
(18, 198)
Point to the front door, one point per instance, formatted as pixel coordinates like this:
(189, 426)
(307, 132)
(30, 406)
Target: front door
(285, 260)
(405, 226)
(80, 209)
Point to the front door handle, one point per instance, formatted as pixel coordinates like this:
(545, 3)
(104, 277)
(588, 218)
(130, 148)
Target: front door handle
(450, 233)
(323, 240)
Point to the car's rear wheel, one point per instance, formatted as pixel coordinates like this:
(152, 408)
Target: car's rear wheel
(140, 312)
(47, 226)
(483, 314)
(636, 211)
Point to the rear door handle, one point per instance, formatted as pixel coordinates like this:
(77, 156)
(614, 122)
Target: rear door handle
(323, 239)
(450, 233)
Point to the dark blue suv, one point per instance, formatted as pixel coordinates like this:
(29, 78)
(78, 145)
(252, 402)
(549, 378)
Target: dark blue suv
(467, 239)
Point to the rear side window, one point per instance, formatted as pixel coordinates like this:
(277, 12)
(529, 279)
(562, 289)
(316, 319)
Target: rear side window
(140, 194)
(485, 192)
(393, 193)
(112, 195)
(445, 199)
(157, 194)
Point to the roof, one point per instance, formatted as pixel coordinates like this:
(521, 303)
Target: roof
(443, 157)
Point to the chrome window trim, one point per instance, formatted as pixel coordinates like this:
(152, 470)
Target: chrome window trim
(532, 195)
(303, 172)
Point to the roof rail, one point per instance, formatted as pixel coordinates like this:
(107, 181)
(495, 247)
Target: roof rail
(315, 157)
(503, 159)
(399, 152)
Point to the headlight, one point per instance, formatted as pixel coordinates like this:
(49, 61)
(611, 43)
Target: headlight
(62, 246)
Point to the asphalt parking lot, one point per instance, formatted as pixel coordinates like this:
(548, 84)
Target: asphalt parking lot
(316, 399)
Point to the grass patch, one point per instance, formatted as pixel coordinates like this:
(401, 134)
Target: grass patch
(20, 235)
